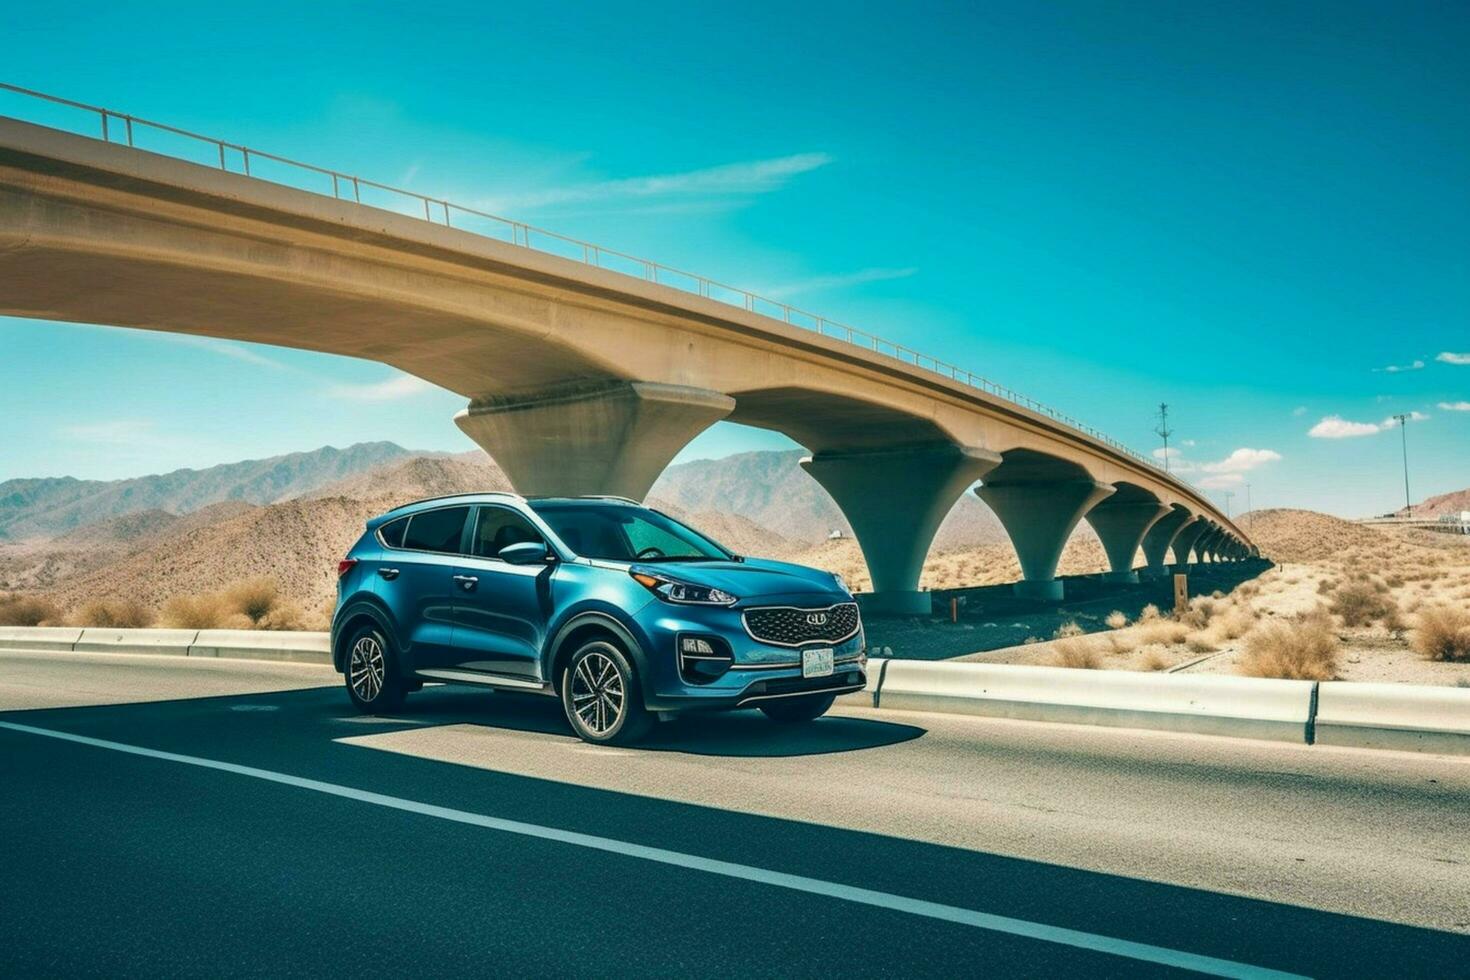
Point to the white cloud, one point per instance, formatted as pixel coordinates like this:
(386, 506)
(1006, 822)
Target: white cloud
(1299, 411)
(1243, 461)
(112, 432)
(1450, 357)
(752, 177)
(1187, 442)
(1397, 368)
(1455, 406)
(1170, 454)
(402, 386)
(1337, 427)
(1222, 481)
(817, 283)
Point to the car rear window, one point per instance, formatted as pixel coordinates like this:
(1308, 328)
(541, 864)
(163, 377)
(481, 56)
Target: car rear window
(436, 530)
(392, 532)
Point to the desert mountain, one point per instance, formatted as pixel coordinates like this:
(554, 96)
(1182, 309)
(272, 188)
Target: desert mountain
(1454, 502)
(47, 507)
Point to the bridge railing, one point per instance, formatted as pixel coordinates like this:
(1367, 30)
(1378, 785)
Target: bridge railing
(119, 127)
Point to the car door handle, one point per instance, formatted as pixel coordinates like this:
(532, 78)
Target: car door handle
(467, 581)
(388, 573)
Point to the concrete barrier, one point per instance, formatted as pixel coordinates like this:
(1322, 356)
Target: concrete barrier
(158, 642)
(1394, 716)
(39, 637)
(1237, 706)
(296, 647)
(868, 696)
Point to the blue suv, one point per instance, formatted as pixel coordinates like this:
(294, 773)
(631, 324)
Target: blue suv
(622, 612)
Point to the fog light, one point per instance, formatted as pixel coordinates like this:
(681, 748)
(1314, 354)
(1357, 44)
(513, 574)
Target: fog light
(693, 644)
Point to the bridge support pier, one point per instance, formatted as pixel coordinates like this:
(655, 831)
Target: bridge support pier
(1205, 543)
(610, 438)
(1121, 526)
(1040, 516)
(1157, 540)
(895, 500)
(1184, 543)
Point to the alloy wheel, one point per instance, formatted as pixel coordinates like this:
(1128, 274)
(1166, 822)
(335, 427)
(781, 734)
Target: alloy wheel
(366, 669)
(598, 696)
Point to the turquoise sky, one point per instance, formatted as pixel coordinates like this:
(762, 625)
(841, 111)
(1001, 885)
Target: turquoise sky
(1251, 212)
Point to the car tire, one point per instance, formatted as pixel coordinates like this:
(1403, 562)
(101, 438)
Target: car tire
(790, 711)
(370, 670)
(601, 695)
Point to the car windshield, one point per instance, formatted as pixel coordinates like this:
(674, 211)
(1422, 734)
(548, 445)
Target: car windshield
(620, 532)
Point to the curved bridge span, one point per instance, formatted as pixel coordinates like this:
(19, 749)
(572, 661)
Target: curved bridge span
(578, 379)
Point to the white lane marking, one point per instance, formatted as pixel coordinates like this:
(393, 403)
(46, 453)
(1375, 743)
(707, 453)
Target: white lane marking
(780, 879)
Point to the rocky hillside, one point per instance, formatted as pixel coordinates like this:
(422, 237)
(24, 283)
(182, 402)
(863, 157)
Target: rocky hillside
(1455, 502)
(1303, 535)
(49, 507)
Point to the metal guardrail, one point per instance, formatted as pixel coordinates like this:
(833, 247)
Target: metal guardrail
(120, 127)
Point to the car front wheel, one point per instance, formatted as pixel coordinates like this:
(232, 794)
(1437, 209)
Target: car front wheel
(599, 691)
(371, 672)
(794, 710)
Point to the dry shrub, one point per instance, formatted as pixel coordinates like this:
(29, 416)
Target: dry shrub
(1201, 608)
(1067, 629)
(1123, 642)
(1362, 601)
(1161, 632)
(1301, 648)
(1154, 659)
(255, 598)
(1076, 653)
(283, 616)
(1200, 643)
(1150, 614)
(1235, 623)
(1116, 620)
(1326, 585)
(22, 610)
(196, 612)
(123, 614)
(1443, 633)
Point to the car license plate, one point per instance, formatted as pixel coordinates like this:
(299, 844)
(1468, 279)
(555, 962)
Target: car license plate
(816, 663)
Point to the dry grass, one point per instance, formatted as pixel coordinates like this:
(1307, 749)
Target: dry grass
(1154, 659)
(196, 612)
(22, 610)
(1443, 633)
(124, 614)
(1302, 648)
(1068, 629)
(248, 604)
(1077, 653)
(1362, 601)
(1116, 620)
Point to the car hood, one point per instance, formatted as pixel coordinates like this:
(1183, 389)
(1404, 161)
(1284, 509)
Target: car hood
(751, 578)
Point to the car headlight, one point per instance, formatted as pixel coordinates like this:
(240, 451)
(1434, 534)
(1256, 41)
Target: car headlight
(683, 593)
(841, 583)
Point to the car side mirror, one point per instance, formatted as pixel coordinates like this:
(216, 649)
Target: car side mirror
(525, 553)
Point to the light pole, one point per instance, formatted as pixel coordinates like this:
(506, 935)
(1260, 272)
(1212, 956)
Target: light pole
(1228, 495)
(1164, 432)
(1403, 420)
(1250, 522)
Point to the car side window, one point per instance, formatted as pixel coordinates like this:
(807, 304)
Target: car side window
(436, 530)
(392, 532)
(500, 527)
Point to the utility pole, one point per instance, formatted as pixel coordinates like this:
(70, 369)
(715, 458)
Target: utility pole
(1250, 511)
(1403, 420)
(1164, 432)
(1227, 494)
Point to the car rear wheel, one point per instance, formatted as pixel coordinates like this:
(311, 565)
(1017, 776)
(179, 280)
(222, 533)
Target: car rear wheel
(371, 672)
(599, 691)
(795, 710)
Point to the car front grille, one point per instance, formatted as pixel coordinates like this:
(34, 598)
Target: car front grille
(789, 626)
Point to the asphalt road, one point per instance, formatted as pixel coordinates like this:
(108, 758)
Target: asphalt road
(170, 817)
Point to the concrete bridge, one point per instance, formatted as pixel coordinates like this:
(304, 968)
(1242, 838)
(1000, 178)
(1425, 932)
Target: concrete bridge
(579, 379)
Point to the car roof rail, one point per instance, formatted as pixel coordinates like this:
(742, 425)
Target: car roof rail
(510, 495)
(610, 496)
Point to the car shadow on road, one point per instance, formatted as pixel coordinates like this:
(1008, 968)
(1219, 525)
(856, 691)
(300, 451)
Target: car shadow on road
(747, 734)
